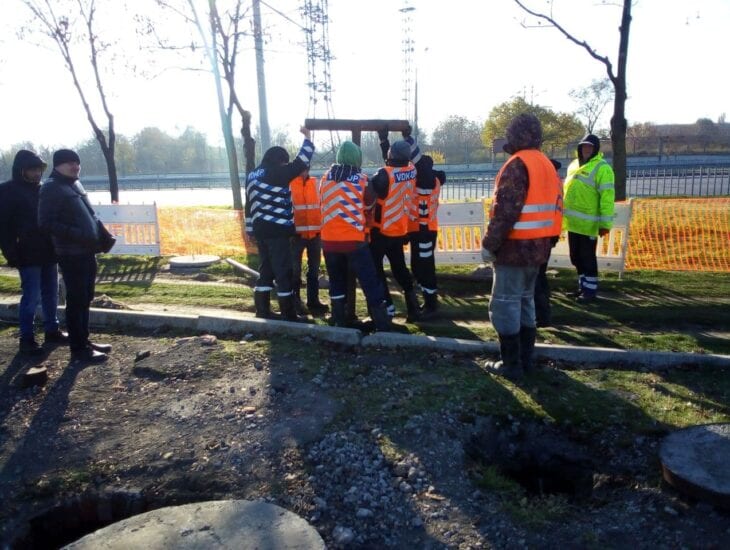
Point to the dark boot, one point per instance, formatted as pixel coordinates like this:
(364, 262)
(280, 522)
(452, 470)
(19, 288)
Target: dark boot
(380, 317)
(510, 364)
(527, 348)
(56, 337)
(88, 355)
(288, 311)
(338, 313)
(412, 307)
(298, 305)
(29, 346)
(262, 302)
(430, 306)
(314, 306)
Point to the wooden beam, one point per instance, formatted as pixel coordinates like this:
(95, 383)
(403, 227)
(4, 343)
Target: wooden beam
(353, 125)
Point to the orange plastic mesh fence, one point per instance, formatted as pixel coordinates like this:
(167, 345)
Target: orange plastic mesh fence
(195, 230)
(680, 234)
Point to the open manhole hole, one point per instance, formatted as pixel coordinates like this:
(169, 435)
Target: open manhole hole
(75, 517)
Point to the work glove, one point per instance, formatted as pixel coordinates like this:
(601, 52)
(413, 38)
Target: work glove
(602, 232)
(407, 132)
(488, 257)
(383, 133)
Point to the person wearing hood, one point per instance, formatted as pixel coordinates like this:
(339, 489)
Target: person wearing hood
(270, 219)
(394, 186)
(589, 203)
(64, 211)
(525, 216)
(346, 197)
(28, 249)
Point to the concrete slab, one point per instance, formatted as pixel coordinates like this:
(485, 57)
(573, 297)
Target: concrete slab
(195, 261)
(121, 318)
(224, 524)
(238, 325)
(400, 340)
(695, 461)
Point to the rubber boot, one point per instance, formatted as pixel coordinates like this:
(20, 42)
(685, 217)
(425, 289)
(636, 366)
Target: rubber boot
(288, 311)
(338, 313)
(412, 308)
(430, 306)
(380, 317)
(527, 348)
(314, 306)
(262, 303)
(510, 364)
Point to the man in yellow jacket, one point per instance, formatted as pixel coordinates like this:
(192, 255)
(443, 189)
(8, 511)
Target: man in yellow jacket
(588, 212)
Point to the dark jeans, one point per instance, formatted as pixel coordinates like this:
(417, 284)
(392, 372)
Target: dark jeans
(423, 261)
(314, 258)
(79, 276)
(392, 247)
(583, 257)
(39, 285)
(361, 262)
(275, 265)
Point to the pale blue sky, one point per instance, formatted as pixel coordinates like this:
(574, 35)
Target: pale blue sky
(470, 55)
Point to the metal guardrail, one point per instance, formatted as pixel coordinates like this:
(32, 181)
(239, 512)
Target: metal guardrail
(704, 181)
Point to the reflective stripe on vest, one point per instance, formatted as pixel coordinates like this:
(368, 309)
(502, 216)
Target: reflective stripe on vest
(343, 217)
(542, 214)
(424, 208)
(305, 198)
(394, 207)
(270, 203)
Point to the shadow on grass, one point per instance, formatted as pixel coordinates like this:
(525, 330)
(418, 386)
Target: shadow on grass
(140, 270)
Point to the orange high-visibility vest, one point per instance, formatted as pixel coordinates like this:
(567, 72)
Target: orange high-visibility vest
(343, 208)
(305, 201)
(542, 213)
(424, 208)
(393, 208)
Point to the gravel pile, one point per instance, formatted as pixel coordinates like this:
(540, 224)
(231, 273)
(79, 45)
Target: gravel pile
(357, 491)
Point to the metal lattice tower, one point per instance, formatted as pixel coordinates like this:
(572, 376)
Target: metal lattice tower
(319, 56)
(409, 47)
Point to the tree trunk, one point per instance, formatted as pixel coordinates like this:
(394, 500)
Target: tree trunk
(111, 170)
(618, 120)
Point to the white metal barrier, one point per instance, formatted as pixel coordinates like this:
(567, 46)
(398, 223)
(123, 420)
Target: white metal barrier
(134, 225)
(462, 226)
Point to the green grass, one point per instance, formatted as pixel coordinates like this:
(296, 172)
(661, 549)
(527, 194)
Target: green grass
(651, 310)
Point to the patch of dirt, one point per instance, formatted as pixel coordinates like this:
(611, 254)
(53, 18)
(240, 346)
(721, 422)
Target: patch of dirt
(333, 434)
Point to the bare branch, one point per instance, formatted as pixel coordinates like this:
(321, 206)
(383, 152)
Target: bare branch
(582, 43)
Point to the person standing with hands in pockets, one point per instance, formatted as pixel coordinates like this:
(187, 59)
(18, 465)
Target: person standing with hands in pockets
(589, 205)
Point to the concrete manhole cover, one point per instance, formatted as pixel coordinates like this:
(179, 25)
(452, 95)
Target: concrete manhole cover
(695, 461)
(230, 524)
(197, 260)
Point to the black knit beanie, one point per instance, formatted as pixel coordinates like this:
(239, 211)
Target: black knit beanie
(65, 155)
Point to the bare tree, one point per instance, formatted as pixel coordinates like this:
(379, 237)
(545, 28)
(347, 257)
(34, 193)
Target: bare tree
(227, 56)
(218, 34)
(64, 32)
(592, 100)
(617, 78)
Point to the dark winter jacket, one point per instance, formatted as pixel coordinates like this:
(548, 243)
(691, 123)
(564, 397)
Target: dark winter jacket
(22, 242)
(65, 212)
(269, 212)
(524, 132)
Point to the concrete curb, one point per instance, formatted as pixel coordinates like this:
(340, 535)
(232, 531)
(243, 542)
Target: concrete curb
(231, 323)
